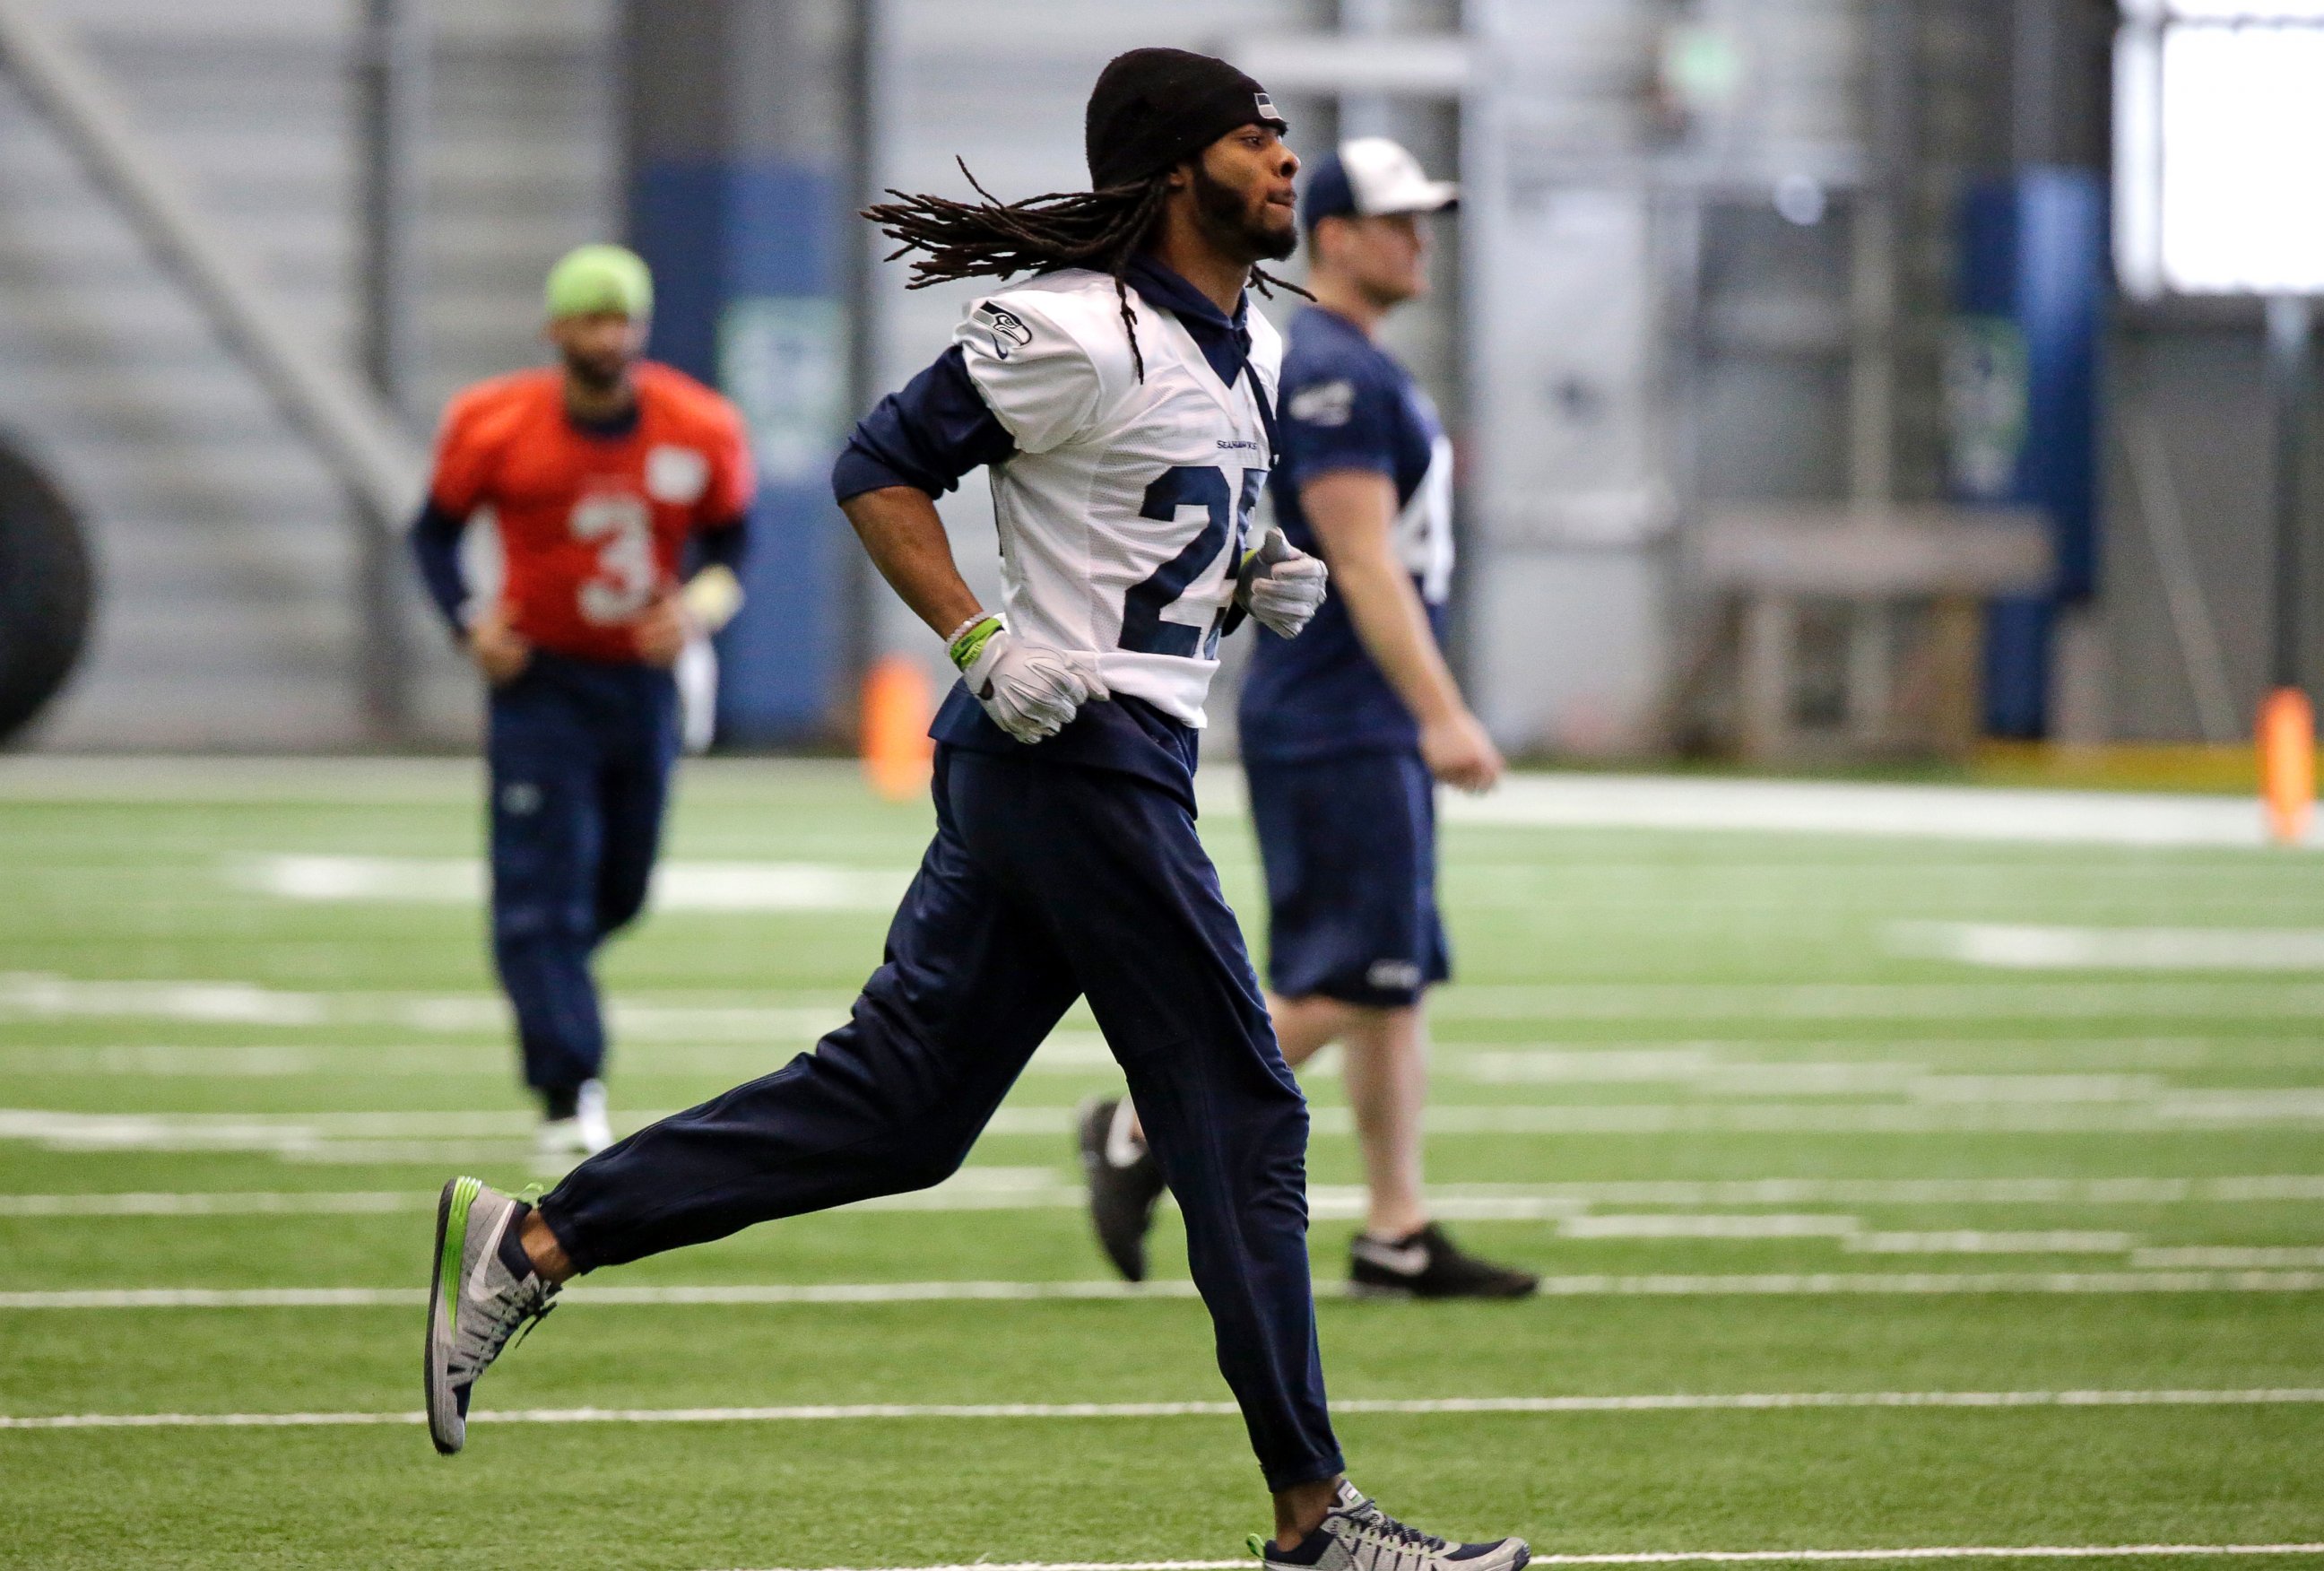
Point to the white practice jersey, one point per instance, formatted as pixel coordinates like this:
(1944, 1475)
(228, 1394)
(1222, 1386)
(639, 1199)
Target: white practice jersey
(1128, 505)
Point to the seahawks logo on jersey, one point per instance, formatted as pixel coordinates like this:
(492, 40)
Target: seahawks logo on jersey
(1005, 327)
(1128, 502)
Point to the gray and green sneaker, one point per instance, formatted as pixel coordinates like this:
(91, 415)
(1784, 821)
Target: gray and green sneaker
(475, 1303)
(1358, 1536)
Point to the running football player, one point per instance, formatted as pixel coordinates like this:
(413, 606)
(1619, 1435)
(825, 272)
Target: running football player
(605, 473)
(1344, 733)
(1123, 403)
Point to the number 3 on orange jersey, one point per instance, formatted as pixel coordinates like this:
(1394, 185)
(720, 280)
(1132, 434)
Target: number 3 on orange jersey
(625, 577)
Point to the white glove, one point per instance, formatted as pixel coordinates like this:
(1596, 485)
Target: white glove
(1030, 692)
(1281, 586)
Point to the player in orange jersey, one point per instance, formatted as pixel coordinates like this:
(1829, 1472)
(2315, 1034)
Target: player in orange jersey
(606, 474)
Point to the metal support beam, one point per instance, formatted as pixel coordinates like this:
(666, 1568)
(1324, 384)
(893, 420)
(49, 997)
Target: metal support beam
(392, 123)
(391, 95)
(871, 71)
(355, 432)
(1882, 212)
(2289, 327)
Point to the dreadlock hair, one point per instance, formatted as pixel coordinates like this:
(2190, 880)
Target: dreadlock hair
(1101, 229)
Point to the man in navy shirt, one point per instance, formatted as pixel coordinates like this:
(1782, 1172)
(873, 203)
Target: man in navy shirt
(1345, 731)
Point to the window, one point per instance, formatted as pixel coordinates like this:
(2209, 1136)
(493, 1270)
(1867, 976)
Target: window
(2219, 135)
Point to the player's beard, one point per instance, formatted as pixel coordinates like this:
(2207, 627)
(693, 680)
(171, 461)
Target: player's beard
(599, 374)
(1227, 219)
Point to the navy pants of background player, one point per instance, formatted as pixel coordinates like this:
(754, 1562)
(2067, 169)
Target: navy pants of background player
(1045, 882)
(581, 753)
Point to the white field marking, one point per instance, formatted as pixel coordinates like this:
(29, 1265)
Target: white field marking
(1713, 1069)
(1715, 1074)
(2215, 1257)
(799, 1018)
(2126, 1191)
(2292, 1108)
(977, 1188)
(805, 1015)
(386, 1137)
(2128, 998)
(1071, 1053)
(1610, 801)
(218, 1203)
(162, 1061)
(1738, 1224)
(972, 1188)
(1792, 1284)
(1530, 799)
(999, 1189)
(2022, 947)
(1718, 1402)
(1718, 1557)
(677, 886)
(1969, 1241)
(1908, 812)
(1035, 1188)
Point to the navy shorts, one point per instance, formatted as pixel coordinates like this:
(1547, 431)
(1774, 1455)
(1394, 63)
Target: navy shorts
(1350, 846)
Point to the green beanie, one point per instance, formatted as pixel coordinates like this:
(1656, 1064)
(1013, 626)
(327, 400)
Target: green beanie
(590, 278)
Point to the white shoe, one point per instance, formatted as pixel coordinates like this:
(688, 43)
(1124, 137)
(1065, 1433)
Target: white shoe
(589, 1116)
(585, 1134)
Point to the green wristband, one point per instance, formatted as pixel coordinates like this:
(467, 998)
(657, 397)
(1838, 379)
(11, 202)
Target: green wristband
(970, 645)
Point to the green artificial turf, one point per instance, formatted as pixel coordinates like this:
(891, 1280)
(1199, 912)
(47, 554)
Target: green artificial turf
(1634, 1010)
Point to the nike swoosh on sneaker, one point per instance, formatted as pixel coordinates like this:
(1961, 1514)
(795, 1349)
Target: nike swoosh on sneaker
(478, 1293)
(1408, 1260)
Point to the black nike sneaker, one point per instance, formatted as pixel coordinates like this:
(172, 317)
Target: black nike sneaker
(1125, 1182)
(1429, 1265)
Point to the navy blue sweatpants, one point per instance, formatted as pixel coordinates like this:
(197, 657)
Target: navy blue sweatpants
(1045, 882)
(581, 753)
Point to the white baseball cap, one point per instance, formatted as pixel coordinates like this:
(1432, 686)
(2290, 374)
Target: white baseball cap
(1370, 177)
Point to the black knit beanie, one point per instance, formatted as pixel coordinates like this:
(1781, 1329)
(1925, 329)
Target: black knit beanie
(1152, 107)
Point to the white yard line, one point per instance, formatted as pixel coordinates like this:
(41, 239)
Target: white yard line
(1065, 1053)
(677, 886)
(2104, 1069)
(218, 1203)
(1527, 799)
(1004, 1188)
(1733, 1067)
(1735, 1225)
(782, 1016)
(2169, 1110)
(2127, 998)
(2215, 1257)
(1721, 1557)
(2052, 1240)
(1780, 1284)
(2057, 818)
(1911, 812)
(446, 1137)
(797, 1018)
(1655, 1402)
(2023, 947)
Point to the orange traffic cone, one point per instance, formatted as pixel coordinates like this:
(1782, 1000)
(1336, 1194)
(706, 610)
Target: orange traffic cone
(2287, 764)
(896, 709)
